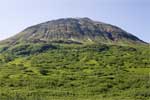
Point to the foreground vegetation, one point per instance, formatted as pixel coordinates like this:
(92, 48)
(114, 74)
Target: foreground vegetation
(74, 72)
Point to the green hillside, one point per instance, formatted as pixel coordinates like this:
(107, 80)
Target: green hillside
(54, 71)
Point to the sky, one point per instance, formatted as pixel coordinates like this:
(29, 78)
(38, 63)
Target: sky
(131, 15)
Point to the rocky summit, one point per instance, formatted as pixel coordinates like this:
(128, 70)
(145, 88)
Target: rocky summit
(76, 30)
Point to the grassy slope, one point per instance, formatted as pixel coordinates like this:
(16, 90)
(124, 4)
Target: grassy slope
(75, 72)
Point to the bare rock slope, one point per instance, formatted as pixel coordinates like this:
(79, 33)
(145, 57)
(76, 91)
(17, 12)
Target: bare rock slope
(81, 30)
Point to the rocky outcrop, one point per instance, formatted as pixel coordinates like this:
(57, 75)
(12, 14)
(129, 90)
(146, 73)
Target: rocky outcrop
(81, 30)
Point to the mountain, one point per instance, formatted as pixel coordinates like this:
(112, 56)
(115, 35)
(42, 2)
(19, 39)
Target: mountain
(74, 59)
(78, 30)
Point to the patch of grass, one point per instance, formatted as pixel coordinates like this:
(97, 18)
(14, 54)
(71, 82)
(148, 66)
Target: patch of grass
(75, 72)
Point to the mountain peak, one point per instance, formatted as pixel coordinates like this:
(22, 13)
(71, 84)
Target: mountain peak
(82, 30)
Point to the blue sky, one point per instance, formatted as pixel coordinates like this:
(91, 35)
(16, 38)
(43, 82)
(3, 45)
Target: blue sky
(131, 15)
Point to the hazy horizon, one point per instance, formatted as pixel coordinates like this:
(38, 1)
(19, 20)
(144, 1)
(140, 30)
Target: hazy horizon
(132, 16)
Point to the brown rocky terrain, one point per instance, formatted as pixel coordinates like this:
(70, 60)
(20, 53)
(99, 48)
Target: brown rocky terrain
(81, 30)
